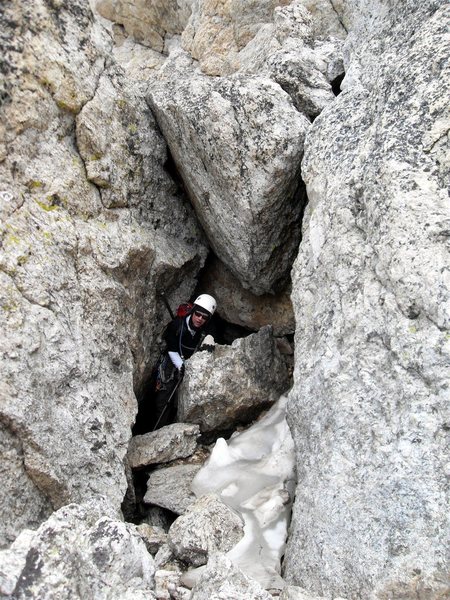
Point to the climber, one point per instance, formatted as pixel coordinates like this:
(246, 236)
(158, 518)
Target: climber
(183, 336)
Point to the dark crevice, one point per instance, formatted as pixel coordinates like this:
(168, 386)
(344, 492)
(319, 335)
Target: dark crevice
(336, 84)
(171, 169)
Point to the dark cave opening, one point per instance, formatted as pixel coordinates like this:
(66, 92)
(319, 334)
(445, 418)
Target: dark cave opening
(336, 84)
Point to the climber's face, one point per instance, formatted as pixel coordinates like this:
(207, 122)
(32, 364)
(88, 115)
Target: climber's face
(199, 318)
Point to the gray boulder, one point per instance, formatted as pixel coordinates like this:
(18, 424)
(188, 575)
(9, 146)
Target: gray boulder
(234, 383)
(237, 143)
(371, 296)
(178, 440)
(81, 552)
(171, 487)
(206, 527)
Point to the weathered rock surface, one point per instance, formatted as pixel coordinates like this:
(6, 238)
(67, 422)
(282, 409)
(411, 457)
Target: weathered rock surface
(238, 305)
(178, 440)
(154, 537)
(148, 22)
(233, 383)
(80, 251)
(371, 296)
(217, 30)
(171, 487)
(221, 579)
(81, 551)
(206, 527)
(237, 143)
(289, 52)
(293, 592)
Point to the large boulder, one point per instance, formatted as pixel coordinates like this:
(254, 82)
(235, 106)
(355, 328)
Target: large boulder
(82, 551)
(237, 143)
(234, 383)
(80, 252)
(371, 296)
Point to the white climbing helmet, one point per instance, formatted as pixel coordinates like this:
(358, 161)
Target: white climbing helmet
(206, 302)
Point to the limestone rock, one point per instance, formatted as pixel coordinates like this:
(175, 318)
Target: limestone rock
(232, 384)
(81, 552)
(206, 527)
(218, 29)
(178, 440)
(237, 143)
(329, 19)
(221, 579)
(12, 562)
(293, 592)
(148, 22)
(78, 322)
(371, 297)
(154, 537)
(289, 53)
(238, 305)
(171, 487)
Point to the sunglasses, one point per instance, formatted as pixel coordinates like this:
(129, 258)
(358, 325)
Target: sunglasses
(200, 315)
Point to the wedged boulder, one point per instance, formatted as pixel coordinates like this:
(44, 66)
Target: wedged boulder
(239, 306)
(171, 487)
(221, 579)
(82, 551)
(206, 527)
(178, 440)
(371, 296)
(237, 143)
(234, 383)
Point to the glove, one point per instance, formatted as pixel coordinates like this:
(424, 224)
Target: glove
(208, 344)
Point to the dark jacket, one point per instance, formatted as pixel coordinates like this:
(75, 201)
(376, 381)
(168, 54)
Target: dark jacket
(179, 339)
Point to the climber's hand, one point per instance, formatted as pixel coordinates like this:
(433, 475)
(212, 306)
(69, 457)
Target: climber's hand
(208, 344)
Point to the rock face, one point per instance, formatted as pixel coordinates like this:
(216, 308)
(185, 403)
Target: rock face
(84, 253)
(232, 384)
(237, 143)
(103, 557)
(238, 305)
(372, 307)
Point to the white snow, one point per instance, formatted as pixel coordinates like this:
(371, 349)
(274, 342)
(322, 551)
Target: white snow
(254, 474)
